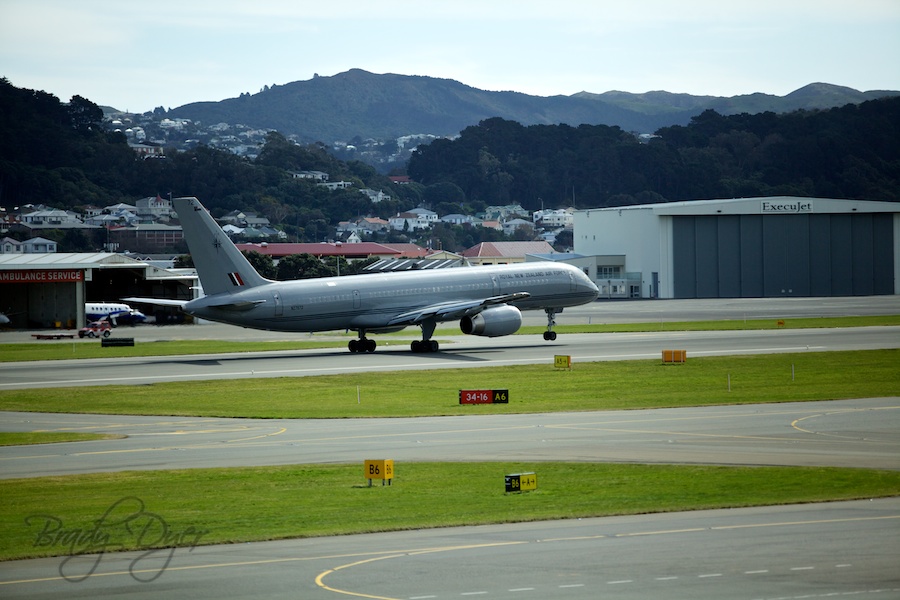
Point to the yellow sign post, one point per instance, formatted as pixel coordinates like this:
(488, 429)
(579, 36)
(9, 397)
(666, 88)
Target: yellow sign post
(379, 469)
(562, 361)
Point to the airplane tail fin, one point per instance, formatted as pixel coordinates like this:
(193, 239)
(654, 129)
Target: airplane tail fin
(220, 265)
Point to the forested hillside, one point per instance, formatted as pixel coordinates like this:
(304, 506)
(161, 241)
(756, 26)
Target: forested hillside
(848, 152)
(58, 154)
(357, 104)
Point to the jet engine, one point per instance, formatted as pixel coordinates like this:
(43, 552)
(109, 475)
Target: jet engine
(493, 322)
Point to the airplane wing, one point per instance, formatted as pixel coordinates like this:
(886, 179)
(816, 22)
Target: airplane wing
(448, 311)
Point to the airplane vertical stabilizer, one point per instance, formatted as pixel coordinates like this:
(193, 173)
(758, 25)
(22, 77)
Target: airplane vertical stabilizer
(220, 265)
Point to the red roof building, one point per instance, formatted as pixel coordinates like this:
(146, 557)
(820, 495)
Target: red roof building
(498, 253)
(358, 251)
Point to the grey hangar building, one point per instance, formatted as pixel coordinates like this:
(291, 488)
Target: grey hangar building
(778, 246)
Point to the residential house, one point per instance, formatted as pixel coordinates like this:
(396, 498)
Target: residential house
(430, 217)
(457, 219)
(410, 221)
(36, 245)
(554, 219)
(513, 225)
(147, 150)
(364, 226)
(245, 219)
(336, 185)
(375, 196)
(500, 213)
(155, 209)
(318, 176)
(53, 217)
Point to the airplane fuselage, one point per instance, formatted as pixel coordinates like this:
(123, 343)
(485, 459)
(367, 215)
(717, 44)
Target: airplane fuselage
(371, 302)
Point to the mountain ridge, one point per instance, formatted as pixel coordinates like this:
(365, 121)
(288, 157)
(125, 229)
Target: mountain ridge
(360, 104)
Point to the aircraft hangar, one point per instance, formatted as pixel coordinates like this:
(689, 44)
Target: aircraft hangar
(776, 246)
(49, 290)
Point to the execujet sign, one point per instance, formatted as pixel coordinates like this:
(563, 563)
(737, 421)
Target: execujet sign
(787, 207)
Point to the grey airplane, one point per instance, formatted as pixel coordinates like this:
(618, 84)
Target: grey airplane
(485, 300)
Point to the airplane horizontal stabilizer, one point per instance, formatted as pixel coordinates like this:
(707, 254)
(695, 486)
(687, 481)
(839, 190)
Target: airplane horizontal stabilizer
(157, 301)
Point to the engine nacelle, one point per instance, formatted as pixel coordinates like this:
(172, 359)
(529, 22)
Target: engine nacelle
(493, 322)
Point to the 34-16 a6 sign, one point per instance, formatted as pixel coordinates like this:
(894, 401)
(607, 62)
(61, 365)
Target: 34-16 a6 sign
(484, 396)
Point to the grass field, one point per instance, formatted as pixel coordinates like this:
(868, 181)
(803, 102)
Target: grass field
(532, 388)
(50, 437)
(41, 517)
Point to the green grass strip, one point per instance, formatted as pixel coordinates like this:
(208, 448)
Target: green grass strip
(50, 437)
(82, 349)
(532, 388)
(250, 504)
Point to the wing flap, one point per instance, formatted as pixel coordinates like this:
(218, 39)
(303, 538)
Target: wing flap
(448, 311)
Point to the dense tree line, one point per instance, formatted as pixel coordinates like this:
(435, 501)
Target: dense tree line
(848, 152)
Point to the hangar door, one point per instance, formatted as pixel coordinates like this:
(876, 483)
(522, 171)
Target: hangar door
(752, 256)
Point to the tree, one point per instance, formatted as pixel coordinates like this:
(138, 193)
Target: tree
(85, 116)
(302, 266)
(263, 263)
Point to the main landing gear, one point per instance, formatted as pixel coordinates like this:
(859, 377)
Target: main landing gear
(426, 344)
(550, 335)
(363, 344)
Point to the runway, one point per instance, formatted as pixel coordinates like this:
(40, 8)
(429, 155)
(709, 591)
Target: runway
(850, 433)
(827, 550)
(805, 551)
(457, 352)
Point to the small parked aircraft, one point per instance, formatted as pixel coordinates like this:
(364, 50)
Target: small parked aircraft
(117, 312)
(487, 300)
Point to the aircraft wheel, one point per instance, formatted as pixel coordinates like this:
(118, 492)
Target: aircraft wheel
(415, 346)
(370, 345)
(550, 336)
(352, 346)
(433, 346)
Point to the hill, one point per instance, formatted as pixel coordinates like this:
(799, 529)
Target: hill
(359, 104)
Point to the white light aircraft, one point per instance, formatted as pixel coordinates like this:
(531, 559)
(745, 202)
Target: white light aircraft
(485, 300)
(117, 312)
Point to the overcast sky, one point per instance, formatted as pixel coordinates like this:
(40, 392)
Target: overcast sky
(139, 55)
